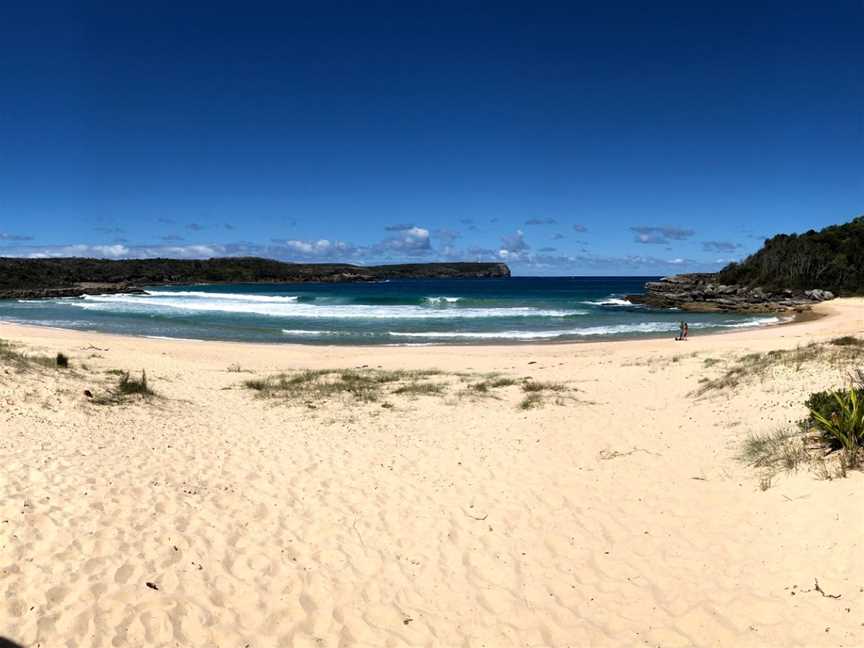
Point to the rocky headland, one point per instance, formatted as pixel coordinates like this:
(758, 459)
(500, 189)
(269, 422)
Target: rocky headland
(74, 277)
(704, 292)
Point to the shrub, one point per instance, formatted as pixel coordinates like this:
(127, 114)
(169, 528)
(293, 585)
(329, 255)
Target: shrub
(847, 340)
(822, 402)
(845, 425)
(62, 361)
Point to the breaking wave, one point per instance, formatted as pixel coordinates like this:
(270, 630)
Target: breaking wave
(166, 302)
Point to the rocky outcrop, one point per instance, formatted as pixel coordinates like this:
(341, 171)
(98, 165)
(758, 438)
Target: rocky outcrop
(702, 292)
(71, 291)
(73, 277)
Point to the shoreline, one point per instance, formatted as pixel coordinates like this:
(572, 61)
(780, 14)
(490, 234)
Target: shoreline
(819, 312)
(786, 319)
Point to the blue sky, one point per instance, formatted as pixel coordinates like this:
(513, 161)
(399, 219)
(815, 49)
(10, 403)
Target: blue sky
(571, 138)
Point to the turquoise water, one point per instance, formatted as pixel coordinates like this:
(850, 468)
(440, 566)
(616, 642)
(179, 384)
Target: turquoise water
(518, 309)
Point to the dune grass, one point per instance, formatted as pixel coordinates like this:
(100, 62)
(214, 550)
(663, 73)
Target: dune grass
(363, 385)
(756, 365)
(367, 385)
(493, 382)
(11, 355)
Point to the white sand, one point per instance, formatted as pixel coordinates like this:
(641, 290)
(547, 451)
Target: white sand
(621, 518)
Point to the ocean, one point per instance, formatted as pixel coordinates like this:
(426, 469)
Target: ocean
(409, 312)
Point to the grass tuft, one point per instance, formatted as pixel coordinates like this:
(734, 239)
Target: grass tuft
(420, 389)
(127, 386)
(531, 386)
(537, 390)
(532, 400)
(782, 449)
(484, 386)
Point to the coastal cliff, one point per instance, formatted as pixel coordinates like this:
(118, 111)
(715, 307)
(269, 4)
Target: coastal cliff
(73, 277)
(704, 292)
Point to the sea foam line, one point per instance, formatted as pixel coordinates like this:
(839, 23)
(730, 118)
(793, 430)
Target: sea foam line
(588, 331)
(242, 297)
(288, 308)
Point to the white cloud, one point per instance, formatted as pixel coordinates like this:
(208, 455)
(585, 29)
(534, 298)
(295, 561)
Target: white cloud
(321, 247)
(514, 246)
(660, 234)
(414, 239)
(116, 251)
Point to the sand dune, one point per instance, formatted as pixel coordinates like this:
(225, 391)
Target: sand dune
(615, 514)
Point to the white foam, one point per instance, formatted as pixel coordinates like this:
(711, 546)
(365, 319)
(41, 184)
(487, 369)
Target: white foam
(485, 335)
(305, 333)
(588, 331)
(756, 321)
(289, 308)
(263, 299)
(173, 339)
(443, 300)
(610, 301)
(646, 327)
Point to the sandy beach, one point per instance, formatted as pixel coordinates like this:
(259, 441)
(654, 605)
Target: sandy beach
(615, 512)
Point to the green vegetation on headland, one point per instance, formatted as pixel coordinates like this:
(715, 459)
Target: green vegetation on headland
(830, 259)
(68, 277)
(790, 273)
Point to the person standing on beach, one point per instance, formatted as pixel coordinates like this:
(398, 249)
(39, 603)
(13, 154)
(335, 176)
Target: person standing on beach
(684, 331)
(680, 332)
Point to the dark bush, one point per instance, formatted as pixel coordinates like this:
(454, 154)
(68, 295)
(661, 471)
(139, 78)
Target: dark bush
(847, 340)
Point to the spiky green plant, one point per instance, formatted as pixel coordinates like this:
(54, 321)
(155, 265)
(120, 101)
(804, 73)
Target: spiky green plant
(846, 424)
